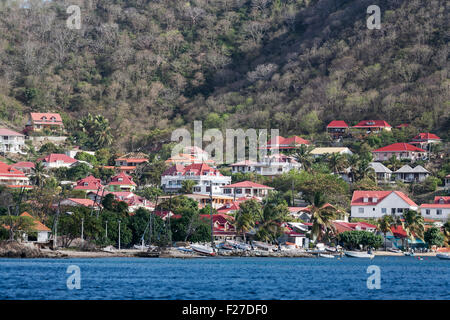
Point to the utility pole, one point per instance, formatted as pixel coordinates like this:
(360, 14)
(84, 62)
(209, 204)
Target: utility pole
(82, 229)
(211, 214)
(106, 230)
(119, 234)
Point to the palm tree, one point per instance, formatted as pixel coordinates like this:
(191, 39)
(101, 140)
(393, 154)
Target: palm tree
(245, 219)
(322, 216)
(336, 162)
(38, 176)
(413, 224)
(353, 161)
(394, 163)
(271, 218)
(102, 132)
(365, 170)
(304, 157)
(384, 225)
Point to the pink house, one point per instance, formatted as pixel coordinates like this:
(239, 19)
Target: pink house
(401, 151)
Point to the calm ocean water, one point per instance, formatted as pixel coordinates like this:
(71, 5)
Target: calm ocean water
(221, 278)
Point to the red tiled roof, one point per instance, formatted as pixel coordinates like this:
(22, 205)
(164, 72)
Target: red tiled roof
(439, 199)
(398, 232)
(399, 147)
(426, 136)
(38, 226)
(372, 124)
(247, 184)
(84, 202)
(38, 117)
(436, 205)
(196, 168)
(7, 132)
(54, 157)
(23, 165)
(297, 209)
(337, 124)
(281, 141)
(92, 184)
(126, 180)
(9, 171)
(358, 197)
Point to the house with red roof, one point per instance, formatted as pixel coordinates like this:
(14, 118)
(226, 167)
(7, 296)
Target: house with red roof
(57, 160)
(403, 151)
(39, 121)
(11, 141)
(131, 159)
(337, 129)
(246, 189)
(76, 202)
(281, 143)
(223, 226)
(41, 233)
(89, 184)
(12, 177)
(133, 201)
(373, 126)
(342, 226)
(425, 140)
(439, 210)
(375, 204)
(25, 166)
(121, 182)
(202, 174)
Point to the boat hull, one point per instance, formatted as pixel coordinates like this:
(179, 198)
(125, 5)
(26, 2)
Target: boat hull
(361, 255)
(443, 256)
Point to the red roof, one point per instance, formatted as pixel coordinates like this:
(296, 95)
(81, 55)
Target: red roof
(122, 179)
(89, 183)
(46, 117)
(246, 184)
(426, 136)
(84, 202)
(197, 169)
(398, 232)
(358, 197)
(24, 165)
(7, 132)
(399, 147)
(372, 124)
(436, 205)
(9, 171)
(229, 207)
(337, 124)
(286, 142)
(441, 199)
(54, 157)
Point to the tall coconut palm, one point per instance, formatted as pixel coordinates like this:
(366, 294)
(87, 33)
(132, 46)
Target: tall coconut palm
(38, 176)
(304, 157)
(102, 132)
(413, 224)
(384, 225)
(322, 216)
(353, 161)
(365, 170)
(273, 215)
(245, 219)
(337, 162)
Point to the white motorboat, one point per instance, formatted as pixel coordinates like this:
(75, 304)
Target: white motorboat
(206, 250)
(263, 245)
(443, 256)
(324, 255)
(359, 254)
(394, 250)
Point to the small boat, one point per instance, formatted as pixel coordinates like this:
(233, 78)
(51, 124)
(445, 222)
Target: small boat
(109, 249)
(443, 256)
(324, 255)
(263, 245)
(205, 250)
(183, 249)
(409, 254)
(225, 246)
(331, 249)
(394, 250)
(359, 254)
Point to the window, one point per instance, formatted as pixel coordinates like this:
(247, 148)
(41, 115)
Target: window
(427, 211)
(400, 210)
(239, 191)
(366, 199)
(383, 210)
(208, 189)
(439, 212)
(360, 210)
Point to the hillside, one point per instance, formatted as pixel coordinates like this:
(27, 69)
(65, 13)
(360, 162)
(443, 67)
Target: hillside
(151, 66)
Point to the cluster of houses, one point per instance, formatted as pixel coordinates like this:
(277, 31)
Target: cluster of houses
(211, 186)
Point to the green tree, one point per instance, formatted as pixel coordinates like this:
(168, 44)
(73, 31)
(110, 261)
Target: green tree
(322, 217)
(247, 215)
(187, 186)
(413, 224)
(434, 237)
(384, 225)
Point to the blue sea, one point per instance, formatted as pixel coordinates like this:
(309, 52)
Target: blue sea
(225, 278)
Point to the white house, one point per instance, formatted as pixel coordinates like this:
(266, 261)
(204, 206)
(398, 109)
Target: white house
(375, 204)
(320, 152)
(11, 141)
(12, 177)
(42, 232)
(271, 165)
(382, 172)
(57, 160)
(408, 174)
(439, 210)
(246, 189)
(203, 175)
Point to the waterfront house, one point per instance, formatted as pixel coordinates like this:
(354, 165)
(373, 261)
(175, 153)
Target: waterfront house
(39, 232)
(302, 213)
(408, 174)
(425, 141)
(12, 177)
(281, 143)
(76, 202)
(439, 210)
(246, 189)
(223, 226)
(375, 204)
(121, 182)
(373, 126)
(270, 165)
(382, 173)
(403, 151)
(202, 174)
(342, 226)
(57, 160)
(89, 184)
(294, 234)
(40, 121)
(323, 151)
(25, 167)
(11, 141)
(337, 129)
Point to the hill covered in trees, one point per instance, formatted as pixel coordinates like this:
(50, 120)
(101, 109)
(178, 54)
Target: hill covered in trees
(152, 66)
